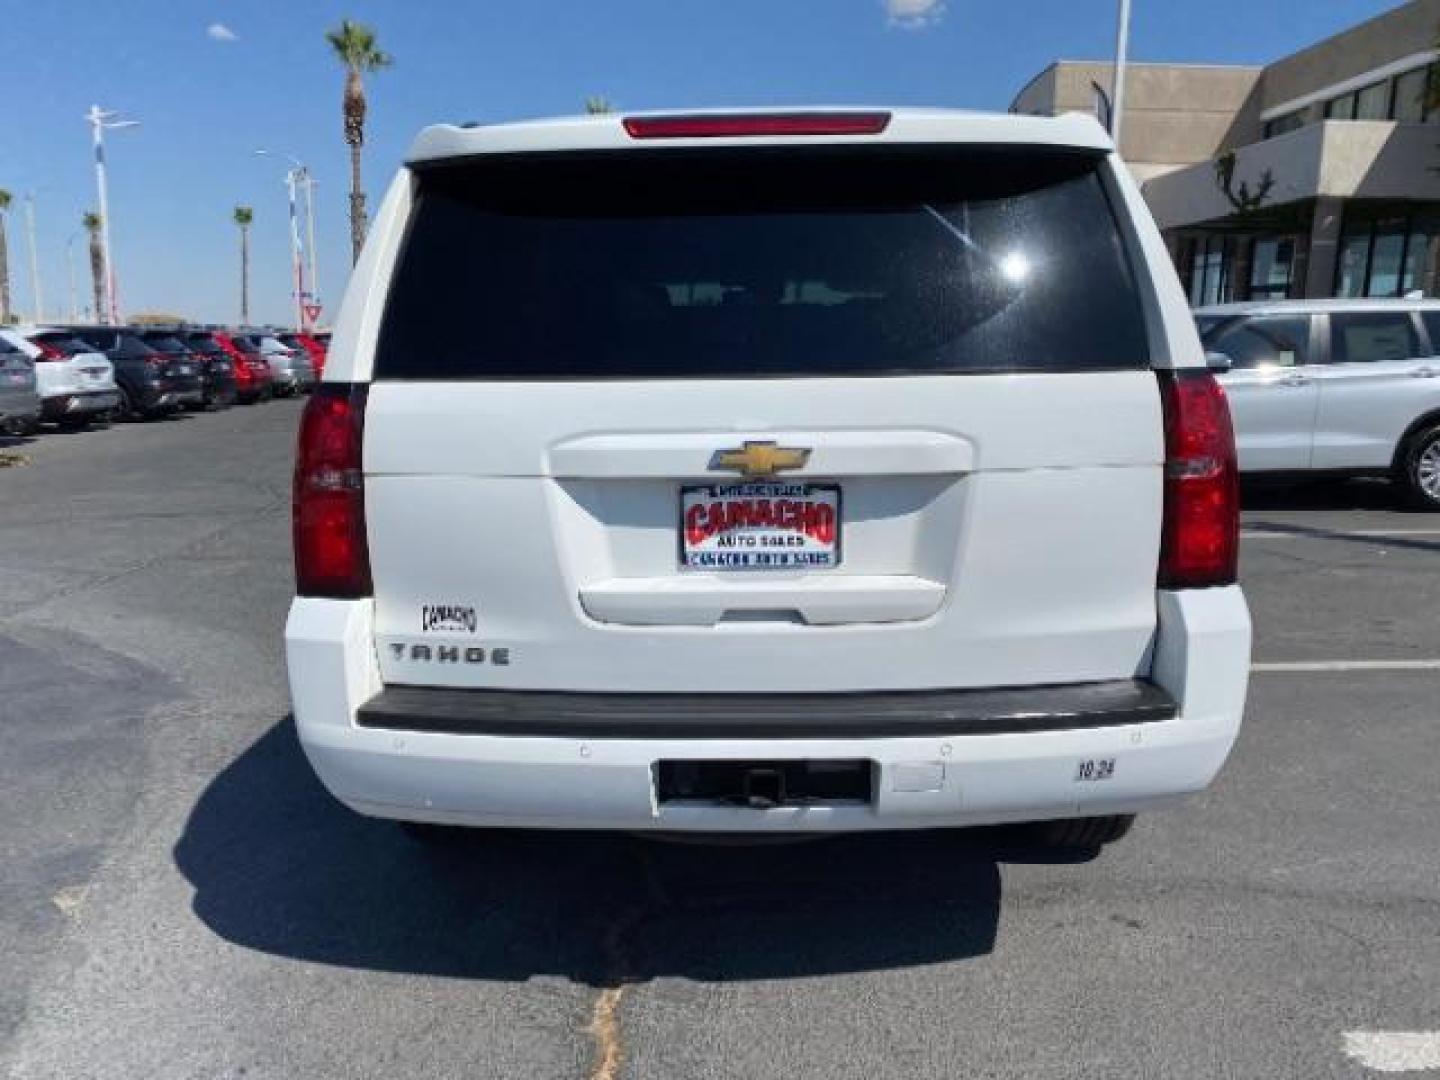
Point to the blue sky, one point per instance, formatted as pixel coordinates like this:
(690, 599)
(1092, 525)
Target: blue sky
(206, 100)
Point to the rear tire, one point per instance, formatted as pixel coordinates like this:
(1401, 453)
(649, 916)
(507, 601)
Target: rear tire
(1091, 832)
(1419, 469)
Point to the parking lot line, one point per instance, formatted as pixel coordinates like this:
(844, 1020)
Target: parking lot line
(1394, 1051)
(1346, 665)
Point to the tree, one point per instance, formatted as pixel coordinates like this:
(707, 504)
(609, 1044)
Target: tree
(91, 221)
(355, 48)
(4, 258)
(1242, 199)
(599, 105)
(244, 217)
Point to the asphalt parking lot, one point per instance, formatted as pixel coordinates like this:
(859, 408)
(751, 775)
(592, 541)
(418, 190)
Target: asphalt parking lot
(181, 899)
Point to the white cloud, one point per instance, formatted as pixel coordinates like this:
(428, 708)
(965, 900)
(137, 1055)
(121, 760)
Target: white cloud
(220, 32)
(914, 14)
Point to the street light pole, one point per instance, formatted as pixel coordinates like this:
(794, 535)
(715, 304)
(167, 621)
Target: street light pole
(100, 119)
(1117, 85)
(35, 291)
(299, 175)
(296, 261)
(310, 238)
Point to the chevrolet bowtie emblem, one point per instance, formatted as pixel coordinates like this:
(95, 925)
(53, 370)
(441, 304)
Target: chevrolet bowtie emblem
(760, 459)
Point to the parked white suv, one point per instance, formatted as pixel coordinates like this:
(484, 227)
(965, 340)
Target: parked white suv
(767, 472)
(76, 384)
(1334, 386)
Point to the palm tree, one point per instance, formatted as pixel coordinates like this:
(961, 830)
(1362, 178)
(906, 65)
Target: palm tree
(244, 217)
(91, 221)
(4, 258)
(599, 105)
(354, 45)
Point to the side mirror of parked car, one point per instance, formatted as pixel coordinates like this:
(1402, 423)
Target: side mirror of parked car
(1218, 361)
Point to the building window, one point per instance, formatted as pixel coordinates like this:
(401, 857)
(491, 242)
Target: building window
(1410, 94)
(1402, 98)
(1210, 264)
(1282, 124)
(1272, 266)
(1383, 258)
(1373, 102)
(1341, 108)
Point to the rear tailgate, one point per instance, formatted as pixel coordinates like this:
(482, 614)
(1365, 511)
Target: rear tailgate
(767, 422)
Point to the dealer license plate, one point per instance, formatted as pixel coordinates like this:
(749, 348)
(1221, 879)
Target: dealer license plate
(760, 526)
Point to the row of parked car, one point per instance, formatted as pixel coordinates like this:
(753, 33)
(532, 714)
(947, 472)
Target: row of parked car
(75, 376)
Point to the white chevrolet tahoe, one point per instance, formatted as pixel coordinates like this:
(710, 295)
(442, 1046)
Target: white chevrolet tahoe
(767, 472)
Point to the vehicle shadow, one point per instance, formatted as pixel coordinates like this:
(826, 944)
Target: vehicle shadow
(1381, 540)
(277, 865)
(1323, 494)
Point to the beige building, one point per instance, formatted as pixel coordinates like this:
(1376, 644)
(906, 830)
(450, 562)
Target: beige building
(1332, 158)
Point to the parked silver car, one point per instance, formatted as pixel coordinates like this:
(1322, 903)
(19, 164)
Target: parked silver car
(1336, 386)
(19, 400)
(290, 368)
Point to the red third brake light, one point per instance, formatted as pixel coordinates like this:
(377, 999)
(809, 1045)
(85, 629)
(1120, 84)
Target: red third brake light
(722, 125)
(1200, 539)
(332, 558)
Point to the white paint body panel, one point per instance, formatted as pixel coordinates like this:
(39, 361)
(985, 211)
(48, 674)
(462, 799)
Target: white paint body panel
(1202, 653)
(998, 530)
(1039, 526)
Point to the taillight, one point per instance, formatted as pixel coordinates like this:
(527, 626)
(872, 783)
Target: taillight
(720, 125)
(1200, 539)
(48, 352)
(331, 556)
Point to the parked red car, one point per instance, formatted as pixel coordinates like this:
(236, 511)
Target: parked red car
(252, 372)
(313, 346)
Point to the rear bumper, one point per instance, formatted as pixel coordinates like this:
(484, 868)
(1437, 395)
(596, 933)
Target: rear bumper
(973, 762)
(187, 391)
(767, 716)
(79, 404)
(16, 404)
(154, 396)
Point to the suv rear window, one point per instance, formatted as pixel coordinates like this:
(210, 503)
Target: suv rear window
(792, 262)
(65, 343)
(204, 343)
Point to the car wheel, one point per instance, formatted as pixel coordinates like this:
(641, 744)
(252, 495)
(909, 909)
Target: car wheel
(1091, 832)
(1420, 469)
(125, 410)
